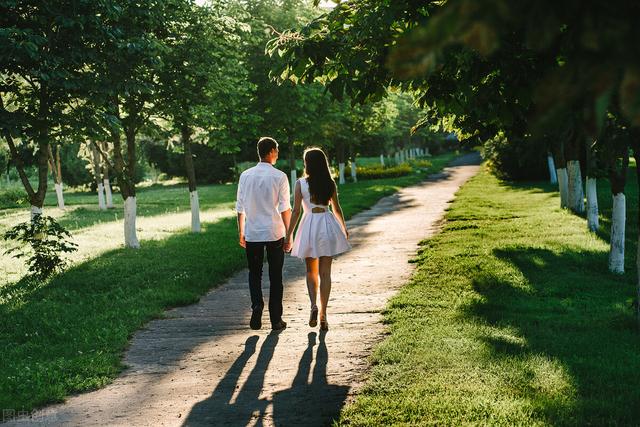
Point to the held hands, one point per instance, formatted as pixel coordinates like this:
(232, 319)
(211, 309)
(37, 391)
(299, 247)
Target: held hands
(288, 244)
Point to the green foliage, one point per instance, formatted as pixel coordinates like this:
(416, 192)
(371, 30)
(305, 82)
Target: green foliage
(519, 159)
(376, 172)
(42, 243)
(210, 166)
(12, 197)
(74, 167)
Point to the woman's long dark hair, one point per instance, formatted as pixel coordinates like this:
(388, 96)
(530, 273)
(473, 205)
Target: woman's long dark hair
(316, 169)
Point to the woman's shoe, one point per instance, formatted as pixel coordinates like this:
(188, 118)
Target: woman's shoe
(313, 317)
(324, 325)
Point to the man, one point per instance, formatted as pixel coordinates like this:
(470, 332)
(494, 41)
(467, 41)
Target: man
(264, 212)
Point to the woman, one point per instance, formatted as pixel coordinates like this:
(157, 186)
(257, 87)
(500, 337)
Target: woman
(322, 233)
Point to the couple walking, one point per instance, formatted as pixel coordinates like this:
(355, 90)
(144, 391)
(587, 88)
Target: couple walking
(266, 221)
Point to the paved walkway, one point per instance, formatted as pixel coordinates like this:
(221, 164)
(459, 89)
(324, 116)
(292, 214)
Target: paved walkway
(203, 366)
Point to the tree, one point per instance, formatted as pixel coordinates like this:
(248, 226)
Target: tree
(126, 92)
(44, 57)
(202, 70)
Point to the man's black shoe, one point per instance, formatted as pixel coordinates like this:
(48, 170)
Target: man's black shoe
(278, 326)
(256, 318)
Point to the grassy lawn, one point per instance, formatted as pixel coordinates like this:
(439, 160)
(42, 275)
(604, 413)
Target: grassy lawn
(511, 318)
(67, 335)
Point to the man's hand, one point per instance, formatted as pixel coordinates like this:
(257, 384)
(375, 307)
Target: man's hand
(242, 242)
(288, 244)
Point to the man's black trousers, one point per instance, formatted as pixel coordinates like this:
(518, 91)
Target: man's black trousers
(275, 258)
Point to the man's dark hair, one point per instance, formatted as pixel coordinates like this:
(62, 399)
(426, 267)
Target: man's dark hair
(265, 145)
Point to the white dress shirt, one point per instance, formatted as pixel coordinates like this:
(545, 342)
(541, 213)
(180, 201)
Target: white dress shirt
(263, 194)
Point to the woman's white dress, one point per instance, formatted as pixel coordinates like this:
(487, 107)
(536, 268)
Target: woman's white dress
(319, 234)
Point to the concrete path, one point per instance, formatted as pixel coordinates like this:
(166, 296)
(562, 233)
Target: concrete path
(203, 366)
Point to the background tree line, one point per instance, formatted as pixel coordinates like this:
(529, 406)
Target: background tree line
(94, 92)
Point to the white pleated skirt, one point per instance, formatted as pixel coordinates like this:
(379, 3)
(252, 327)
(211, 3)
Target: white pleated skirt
(319, 234)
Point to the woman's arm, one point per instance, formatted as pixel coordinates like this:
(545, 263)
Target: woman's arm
(337, 210)
(295, 215)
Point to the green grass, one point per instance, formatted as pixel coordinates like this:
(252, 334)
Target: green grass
(67, 335)
(511, 318)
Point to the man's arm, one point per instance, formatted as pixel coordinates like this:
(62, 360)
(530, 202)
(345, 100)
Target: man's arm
(284, 206)
(240, 210)
(241, 239)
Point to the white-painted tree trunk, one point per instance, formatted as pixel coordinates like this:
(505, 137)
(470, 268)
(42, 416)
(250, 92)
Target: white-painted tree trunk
(294, 178)
(101, 203)
(563, 186)
(35, 211)
(426, 152)
(592, 205)
(354, 171)
(618, 219)
(130, 237)
(341, 179)
(107, 192)
(382, 160)
(397, 158)
(576, 193)
(59, 195)
(195, 211)
(553, 177)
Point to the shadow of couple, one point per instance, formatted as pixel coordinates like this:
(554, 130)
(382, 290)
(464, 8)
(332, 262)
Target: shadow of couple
(308, 403)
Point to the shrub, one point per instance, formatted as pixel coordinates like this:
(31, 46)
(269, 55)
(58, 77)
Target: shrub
(376, 172)
(420, 164)
(12, 197)
(518, 160)
(42, 241)
(210, 166)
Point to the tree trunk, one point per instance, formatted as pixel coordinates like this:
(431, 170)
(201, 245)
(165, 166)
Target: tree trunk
(96, 175)
(191, 178)
(576, 193)
(340, 155)
(618, 219)
(105, 178)
(618, 180)
(35, 210)
(354, 171)
(592, 205)
(563, 185)
(292, 167)
(130, 235)
(127, 186)
(341, 179)
(553, 177)
(56, 170)
(382, 160)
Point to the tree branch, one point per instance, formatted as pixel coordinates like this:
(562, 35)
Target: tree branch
(104, 155)
(18, 163)
(16, 158)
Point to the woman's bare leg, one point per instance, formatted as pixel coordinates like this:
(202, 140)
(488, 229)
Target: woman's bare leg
(325, 285)
(312, 279)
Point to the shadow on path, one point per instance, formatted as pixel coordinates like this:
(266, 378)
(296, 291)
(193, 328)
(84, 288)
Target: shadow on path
(219, 408)
(325, 399)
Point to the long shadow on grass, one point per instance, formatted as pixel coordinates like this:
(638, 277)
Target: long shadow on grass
(69, 335)
(575, 313)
